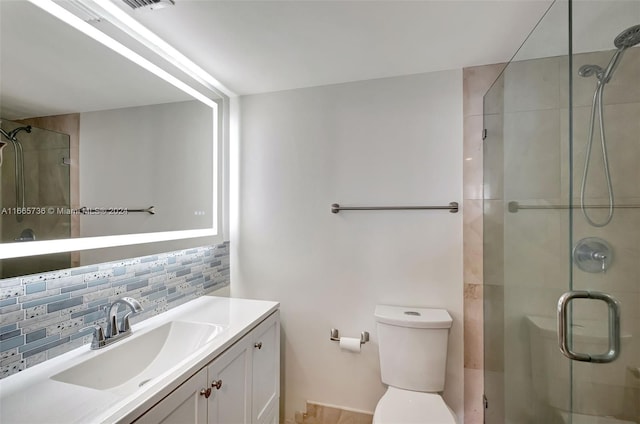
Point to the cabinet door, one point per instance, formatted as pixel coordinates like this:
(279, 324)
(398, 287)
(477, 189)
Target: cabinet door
(185, 405)
(266, 369)
(229, 379)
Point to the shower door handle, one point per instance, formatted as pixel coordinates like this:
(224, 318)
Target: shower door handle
(614, 327)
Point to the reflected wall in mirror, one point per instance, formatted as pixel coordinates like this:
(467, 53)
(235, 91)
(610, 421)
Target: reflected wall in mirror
(106, 141)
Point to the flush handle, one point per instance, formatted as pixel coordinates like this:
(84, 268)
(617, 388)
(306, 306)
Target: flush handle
(614, 327)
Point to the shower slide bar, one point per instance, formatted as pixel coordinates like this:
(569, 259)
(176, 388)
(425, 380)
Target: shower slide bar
(514, 206)
(452, 207)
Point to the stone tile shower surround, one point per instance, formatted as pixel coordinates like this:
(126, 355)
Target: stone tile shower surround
(45, 315)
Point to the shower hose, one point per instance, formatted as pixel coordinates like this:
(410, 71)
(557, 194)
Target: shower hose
(596, 105)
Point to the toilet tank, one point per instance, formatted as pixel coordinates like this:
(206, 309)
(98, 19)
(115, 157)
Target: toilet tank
(413, 346)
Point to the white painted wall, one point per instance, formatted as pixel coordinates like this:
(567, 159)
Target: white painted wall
(158, 155)
(389, 141)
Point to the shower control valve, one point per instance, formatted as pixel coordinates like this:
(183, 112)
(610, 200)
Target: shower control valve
(593, 254)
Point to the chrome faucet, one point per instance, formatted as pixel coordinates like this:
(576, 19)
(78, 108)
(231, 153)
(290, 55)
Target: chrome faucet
(114, 333)
(112, 325)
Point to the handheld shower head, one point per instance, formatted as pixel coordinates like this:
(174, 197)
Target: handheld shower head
(590, 70)
(628, 38)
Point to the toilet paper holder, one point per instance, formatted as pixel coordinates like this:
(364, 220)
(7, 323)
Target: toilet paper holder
(335, 336)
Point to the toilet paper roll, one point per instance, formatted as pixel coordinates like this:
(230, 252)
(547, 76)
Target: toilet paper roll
(350, 344)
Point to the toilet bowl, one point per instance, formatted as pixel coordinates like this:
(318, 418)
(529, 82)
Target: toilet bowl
(413, 356)
(398, 406)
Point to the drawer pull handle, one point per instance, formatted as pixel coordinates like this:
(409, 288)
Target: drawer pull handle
(258, 345)
(205, 392)
(217, 384)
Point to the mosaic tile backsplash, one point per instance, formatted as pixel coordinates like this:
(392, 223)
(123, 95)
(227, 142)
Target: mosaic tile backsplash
(45, 315)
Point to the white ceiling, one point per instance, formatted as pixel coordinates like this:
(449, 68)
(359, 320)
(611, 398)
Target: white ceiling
(262, 46)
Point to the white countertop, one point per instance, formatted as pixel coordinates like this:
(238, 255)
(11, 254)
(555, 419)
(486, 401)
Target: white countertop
(31, 396)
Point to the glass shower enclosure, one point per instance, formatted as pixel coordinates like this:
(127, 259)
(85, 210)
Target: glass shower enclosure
(562, 221)
(34, 187)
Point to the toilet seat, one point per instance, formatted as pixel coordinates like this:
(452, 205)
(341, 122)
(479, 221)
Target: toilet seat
(399, 406)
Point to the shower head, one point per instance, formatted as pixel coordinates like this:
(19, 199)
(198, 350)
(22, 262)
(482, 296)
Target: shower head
(15, 131)
(11, 135)
(628, 38)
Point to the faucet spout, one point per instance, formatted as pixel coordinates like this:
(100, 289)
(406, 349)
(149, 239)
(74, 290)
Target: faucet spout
(112, 325)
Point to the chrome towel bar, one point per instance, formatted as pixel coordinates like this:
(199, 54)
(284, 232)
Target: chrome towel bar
(114, 211)
(335, 208)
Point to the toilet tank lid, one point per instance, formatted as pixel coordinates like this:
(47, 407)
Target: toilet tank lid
(406, 316)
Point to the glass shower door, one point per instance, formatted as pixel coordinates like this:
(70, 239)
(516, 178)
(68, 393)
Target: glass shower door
(605, 200)
(562, 221)
(526, 249)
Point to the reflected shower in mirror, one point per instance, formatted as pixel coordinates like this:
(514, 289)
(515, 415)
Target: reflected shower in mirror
(34, 179)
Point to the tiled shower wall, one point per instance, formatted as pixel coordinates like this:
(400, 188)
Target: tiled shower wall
(537, 243)
(526, 253)
(45, 315)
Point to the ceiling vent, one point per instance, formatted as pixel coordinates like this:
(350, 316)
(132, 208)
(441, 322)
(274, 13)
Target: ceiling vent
(148, 4)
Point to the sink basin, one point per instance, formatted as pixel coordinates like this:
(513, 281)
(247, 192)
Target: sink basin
(131, 363)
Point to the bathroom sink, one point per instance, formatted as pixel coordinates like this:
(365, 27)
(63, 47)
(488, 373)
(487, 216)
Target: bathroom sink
(131, 363)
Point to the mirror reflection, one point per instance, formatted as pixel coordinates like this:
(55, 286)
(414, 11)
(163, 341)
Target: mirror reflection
(91, 143)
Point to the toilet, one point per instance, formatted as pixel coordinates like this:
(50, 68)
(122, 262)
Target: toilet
(413, 358)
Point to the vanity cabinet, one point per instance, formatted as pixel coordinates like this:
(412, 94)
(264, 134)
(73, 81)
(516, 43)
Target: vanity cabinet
(230, 384)
(184, 405)
(241, 386)
(265, 383)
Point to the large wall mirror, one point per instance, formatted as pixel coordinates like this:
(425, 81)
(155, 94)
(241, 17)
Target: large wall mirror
(94, 146)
